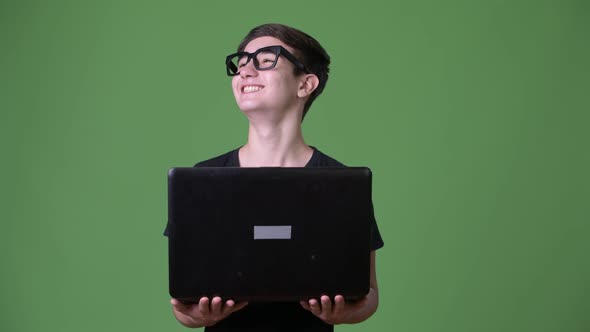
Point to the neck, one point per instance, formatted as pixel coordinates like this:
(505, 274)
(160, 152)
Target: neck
(275, 143)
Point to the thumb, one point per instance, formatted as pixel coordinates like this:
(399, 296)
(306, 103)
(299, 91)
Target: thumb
(179, 306)
(240, 306)
(361, 302)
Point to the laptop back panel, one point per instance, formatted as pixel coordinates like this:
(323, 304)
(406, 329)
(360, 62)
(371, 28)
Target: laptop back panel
(269, 234)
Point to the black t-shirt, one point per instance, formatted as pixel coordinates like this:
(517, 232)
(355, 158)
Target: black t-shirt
(277, 316)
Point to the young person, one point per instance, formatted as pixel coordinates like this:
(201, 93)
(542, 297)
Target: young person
(277, 73)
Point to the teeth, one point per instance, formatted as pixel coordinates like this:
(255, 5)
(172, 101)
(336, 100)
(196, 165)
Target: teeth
(252, 88)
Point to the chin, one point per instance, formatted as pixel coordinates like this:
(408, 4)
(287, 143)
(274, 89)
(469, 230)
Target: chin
(249, 106)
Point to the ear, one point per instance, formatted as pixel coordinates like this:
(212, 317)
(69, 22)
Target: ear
(307, 85)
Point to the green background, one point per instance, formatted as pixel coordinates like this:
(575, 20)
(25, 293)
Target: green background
(473, 116)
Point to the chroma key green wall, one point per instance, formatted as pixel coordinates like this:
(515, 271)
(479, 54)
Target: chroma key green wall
(473, 116)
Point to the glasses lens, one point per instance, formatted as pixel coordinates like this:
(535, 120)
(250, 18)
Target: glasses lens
(266, 59)
(233, 63)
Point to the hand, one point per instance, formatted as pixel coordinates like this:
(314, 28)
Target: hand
(206, 312)
(336, 312)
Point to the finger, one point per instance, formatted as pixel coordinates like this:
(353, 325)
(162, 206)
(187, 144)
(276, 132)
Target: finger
(216, 306)
(227, 308)
(338, 304)
(305, 305)
(326, 304)
(204, 306)
(314, 306)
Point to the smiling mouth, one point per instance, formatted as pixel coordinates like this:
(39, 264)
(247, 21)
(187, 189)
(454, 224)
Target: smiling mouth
(251, 88)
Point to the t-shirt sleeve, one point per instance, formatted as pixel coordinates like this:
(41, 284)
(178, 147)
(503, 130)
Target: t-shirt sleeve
(167, 229)
(376, 240)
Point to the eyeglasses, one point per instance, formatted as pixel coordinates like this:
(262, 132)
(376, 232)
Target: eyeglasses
(264, 59)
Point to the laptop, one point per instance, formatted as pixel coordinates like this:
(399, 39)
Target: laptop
(269, 234)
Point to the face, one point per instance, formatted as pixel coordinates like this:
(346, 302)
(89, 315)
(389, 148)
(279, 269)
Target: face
(273, 89)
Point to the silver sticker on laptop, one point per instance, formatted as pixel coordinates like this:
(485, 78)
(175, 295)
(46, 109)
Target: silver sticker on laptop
(272, 232)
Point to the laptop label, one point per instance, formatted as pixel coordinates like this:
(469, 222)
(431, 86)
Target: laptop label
(272, 232)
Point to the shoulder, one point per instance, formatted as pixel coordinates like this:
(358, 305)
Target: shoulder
(320, 159)
(228, 159)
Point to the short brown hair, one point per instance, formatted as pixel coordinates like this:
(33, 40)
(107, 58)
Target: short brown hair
(307, 50)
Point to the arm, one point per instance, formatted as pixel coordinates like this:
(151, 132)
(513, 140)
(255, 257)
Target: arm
(204, 313)
(341, 312)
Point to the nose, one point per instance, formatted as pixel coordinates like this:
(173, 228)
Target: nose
(248, 70)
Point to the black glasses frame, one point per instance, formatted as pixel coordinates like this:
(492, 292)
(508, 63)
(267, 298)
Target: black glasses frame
(232, 70)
